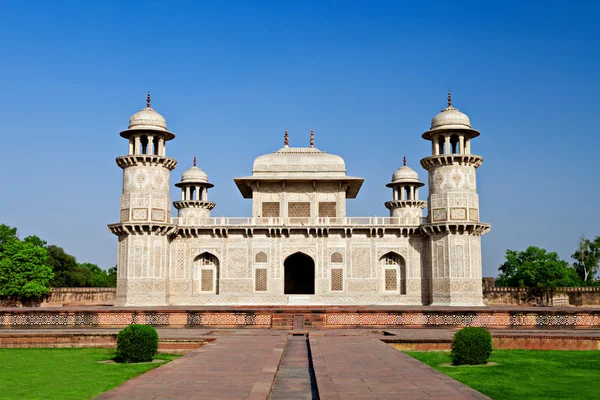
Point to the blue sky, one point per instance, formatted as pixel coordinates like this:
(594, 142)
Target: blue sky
(366, 76)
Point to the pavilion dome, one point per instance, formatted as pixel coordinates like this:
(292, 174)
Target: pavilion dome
(194, 175)
(147, 118)
(405, 174)
(450, 118)
(299, 160)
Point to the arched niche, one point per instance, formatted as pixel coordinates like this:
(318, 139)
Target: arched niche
(206, 274)
(393, 268)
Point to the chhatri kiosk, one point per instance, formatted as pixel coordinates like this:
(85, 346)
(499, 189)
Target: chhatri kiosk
(299, 246)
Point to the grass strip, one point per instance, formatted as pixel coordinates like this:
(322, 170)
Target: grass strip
(526, 374)
(64, 373)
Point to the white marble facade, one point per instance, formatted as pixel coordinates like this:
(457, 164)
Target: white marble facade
(299, 247)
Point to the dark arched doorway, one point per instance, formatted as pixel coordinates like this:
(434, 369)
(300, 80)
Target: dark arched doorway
(299, 274)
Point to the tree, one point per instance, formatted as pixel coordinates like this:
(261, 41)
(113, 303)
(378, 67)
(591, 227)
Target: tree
(6, 233)
(538, 272)
(66, 270)
(587, 257)
(98, 276)
(112, 277)
(36, 241)
(24, 269)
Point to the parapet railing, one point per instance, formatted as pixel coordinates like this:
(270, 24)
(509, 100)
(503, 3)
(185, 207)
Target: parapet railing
(501, 289)
(292, 221)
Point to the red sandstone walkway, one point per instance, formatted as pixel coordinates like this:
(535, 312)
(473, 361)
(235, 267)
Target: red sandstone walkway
(364, 368)
(244, 367)
(234, 367)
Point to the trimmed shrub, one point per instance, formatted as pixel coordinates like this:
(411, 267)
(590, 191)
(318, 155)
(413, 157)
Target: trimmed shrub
(471, 346)
(137, 343)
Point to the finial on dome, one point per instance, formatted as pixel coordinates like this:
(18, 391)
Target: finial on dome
(312, 139)
(148, 100)
(286, 139)
(194, 161)
(405, 161)
(449, 99)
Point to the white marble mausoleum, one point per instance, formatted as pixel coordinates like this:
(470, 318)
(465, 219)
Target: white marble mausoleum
(299, 246)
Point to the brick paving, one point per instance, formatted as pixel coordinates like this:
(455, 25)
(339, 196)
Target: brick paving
(356, 367)
(234, 367)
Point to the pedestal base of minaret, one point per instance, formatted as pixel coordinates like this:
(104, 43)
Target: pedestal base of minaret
(465, 292)
(141, 292)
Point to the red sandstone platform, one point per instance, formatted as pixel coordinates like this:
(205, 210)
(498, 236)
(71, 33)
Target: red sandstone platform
(186, 340)
(285, 317)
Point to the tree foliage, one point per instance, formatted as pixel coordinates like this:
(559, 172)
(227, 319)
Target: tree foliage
(24, 269)
(29, 267)
(538, 271)
(587, 257)
(69, 273)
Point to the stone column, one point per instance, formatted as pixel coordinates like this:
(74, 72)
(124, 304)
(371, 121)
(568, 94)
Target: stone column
(131, 146)
(447, 145)
(461, 143)
(150, 147)
(136, 145)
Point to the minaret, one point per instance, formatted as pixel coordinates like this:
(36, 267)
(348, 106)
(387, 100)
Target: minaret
(453, 225)
(194, 205)
(145, 221)
(405, 204)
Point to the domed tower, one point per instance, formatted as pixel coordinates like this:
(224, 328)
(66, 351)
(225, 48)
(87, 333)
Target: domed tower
(406, 205)
(453, 225)
(194, 205)
(145, 221)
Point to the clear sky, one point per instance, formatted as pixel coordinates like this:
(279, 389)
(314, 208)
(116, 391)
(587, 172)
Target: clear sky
(367, 76)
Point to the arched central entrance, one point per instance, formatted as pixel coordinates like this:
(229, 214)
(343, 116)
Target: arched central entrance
(299, 274)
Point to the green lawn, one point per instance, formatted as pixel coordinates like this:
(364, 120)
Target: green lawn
(527, 374)
(63, 373)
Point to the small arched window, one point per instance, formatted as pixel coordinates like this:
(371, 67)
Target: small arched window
(337, 257)
(261, 257)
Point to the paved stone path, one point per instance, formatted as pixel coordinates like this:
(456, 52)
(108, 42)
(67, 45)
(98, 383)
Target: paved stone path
(234, 367)
(364, 368)
(245, 367)
(295, 378)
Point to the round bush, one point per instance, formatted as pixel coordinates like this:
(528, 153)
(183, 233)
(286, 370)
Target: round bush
(137, 343)
(471, 346)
